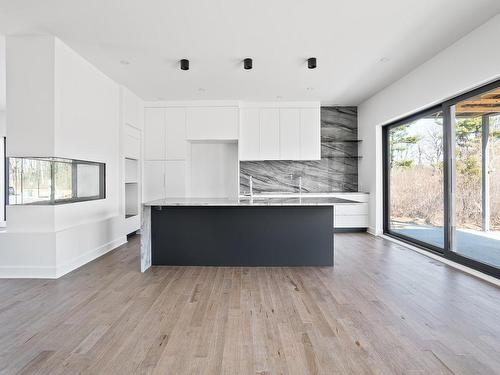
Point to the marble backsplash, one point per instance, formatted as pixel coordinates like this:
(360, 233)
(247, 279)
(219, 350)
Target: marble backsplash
(336, 171)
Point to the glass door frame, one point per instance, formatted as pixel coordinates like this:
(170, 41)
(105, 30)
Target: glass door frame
(447, 108)
(387, 176)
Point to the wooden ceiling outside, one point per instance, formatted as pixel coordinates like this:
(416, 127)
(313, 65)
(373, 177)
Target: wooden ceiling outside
(487, 103)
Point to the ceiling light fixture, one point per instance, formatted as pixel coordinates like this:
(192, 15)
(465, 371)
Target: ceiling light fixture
(248, 63)
(184, 64)
(311, 62)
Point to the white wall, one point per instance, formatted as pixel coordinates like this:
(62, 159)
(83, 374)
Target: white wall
(30, 99)
(87, 127)
(74, 112)
(2, 125)
(468, 63)
(2, 74)
(213, 169)
(2, 174)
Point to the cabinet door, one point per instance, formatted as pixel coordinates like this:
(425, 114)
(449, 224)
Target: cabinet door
(175, 179)
(249, 142)
(290, 134)
(175, 129)
(154, 180)
(310, 134)
(212, 123)
(269, 134)
(154, 134)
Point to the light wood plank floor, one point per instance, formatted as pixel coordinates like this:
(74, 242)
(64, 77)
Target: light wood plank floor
(383, 309)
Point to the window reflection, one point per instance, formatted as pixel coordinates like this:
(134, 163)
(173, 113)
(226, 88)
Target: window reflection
(54, 180)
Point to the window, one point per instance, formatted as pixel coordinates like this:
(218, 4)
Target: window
(54, 181)
(442, 179)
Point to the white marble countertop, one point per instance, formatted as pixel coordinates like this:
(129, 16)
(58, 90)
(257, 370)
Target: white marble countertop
(247, 201)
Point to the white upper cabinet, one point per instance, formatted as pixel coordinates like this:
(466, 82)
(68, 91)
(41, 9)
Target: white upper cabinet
(212, 123)
(269, 134)
(175, 124)
(249, 143)
(154, 134)
(165, 133)
(290, 134)
(310, 134)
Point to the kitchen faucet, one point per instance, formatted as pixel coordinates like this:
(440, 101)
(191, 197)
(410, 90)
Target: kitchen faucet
(250, 183)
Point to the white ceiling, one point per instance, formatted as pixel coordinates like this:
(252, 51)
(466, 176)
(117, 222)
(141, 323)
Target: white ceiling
(361, 45)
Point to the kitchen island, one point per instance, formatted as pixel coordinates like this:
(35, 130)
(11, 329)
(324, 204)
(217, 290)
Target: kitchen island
(285, 231)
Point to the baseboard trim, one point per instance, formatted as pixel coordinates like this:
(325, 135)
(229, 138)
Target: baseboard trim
(89, 256)
(36, 272)
(349, 230)
(448, 262)
(27, 272)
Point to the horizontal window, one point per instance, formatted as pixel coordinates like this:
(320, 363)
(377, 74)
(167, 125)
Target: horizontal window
(50, 181)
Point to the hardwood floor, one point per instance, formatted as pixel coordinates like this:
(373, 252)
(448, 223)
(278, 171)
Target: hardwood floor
(382, 309)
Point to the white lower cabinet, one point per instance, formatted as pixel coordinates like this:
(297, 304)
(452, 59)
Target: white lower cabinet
(351, 221)
(351, 215)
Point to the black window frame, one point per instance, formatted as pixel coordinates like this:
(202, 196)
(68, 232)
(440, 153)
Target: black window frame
(55, 202)
(446, 107)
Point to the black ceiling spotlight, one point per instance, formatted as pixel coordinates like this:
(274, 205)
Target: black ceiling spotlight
(248, 63)
(311, 62)
(185, 64)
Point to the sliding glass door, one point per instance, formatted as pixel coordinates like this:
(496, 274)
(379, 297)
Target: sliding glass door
(475, 124)
(415, 179)
(442, 179)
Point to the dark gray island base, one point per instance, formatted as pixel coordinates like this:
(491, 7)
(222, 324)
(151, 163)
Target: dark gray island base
(242, 235)
(284, 231)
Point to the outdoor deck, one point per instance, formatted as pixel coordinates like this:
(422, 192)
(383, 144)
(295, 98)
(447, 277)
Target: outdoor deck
(481, 246)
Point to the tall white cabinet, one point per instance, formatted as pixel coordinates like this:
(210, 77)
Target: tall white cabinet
(164, 152)
(290, 132)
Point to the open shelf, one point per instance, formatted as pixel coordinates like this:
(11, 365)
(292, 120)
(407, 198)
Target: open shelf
(342, 157)
(131, 171)
(131, 188)
(343, 141)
